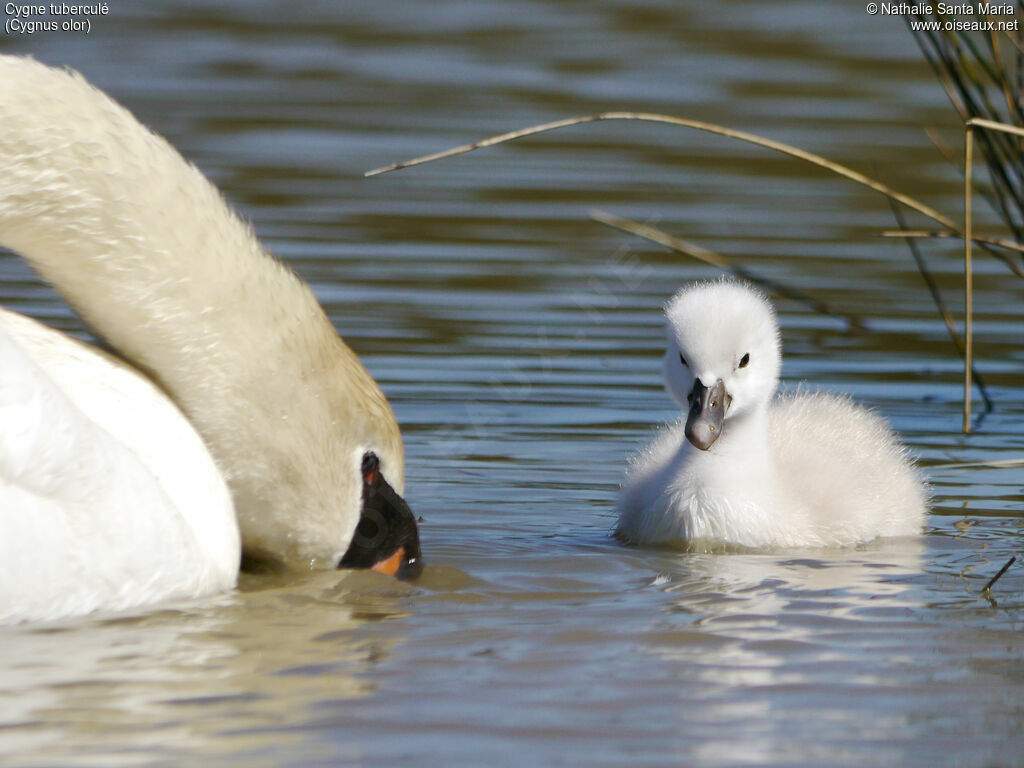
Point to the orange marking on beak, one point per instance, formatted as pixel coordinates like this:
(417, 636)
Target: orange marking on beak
(391, 565)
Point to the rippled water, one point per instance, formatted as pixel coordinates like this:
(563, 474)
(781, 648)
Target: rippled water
(519, 343)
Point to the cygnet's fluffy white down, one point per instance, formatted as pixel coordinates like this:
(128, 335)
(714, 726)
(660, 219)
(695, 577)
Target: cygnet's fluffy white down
(804, 469)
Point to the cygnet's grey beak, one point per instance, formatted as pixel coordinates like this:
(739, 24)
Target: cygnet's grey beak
(707, 413)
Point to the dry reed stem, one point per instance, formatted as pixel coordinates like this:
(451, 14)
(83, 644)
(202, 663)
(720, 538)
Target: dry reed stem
(656, 235)
(786, 149)
(998, 57)
(1016, 43)
(1002, 570)
(968, 277)
(965, 76)
(969, 75)
(997, 464)
(969, 127)
(944, 149)
(719, 130)
(944, 313)
(984, 239)
(649, 232)
(996, 126)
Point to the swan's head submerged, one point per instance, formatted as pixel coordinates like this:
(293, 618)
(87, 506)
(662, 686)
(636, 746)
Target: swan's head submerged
(386, 538)
(723, 355)
(323, 483)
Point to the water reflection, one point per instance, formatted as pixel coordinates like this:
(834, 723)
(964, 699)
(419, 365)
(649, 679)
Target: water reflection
(793, 598)
(768, 642)
(231, 674)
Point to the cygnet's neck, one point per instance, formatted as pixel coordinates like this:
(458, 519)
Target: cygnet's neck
(741, 457)
(744, 435)
(147, 252)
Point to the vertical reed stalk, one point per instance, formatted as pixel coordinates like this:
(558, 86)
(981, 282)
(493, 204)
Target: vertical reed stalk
(968, 278)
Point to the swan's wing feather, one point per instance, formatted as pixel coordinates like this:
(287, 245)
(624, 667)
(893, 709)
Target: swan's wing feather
(88, 521)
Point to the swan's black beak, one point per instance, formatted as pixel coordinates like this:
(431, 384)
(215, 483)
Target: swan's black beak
(386, 538)
(707, 413)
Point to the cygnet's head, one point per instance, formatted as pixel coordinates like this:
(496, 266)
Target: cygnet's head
(723, 355)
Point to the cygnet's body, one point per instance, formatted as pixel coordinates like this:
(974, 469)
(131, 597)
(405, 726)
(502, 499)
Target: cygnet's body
(748, 469)
(147, 252)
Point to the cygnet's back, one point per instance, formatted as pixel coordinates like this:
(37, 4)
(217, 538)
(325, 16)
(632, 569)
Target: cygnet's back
(845, 467)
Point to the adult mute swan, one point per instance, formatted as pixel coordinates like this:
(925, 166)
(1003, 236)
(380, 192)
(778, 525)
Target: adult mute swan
(800, 470)
(147, 252)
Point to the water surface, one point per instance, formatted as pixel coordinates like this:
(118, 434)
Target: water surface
(519, 343)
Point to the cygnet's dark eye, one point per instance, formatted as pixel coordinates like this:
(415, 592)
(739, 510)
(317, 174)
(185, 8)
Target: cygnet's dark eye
(683, 360)
(744, 360)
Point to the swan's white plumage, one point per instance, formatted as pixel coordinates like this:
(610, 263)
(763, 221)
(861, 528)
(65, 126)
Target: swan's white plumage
(147, 252)
(802, 469)
(108, 497)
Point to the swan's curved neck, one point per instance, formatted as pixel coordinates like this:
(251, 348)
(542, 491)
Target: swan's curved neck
(136, 239)
(148, 253)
